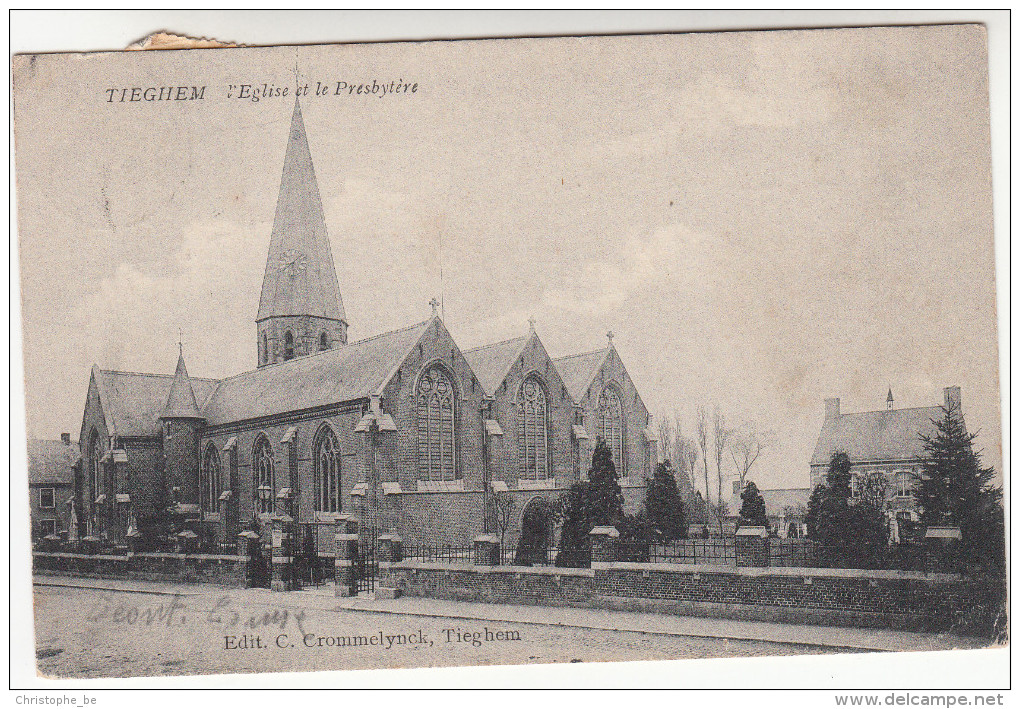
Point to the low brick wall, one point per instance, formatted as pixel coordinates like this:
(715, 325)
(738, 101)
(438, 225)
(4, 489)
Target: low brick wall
(844, 597)
(177, 568)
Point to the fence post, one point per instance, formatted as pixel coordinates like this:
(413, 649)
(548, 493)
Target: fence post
(942, 546)
(751, 546)
(346, 544)
(603, 546)
(486, 550)
(389, 550)
(283, 554)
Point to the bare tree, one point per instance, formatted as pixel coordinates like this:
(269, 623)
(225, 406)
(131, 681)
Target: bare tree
(680, 450)
(747, 444)
(702, 418)
(720, 436)
(501, 513)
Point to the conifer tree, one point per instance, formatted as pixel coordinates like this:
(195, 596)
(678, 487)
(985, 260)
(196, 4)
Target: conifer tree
(752, 511)
(664, 507)
(953, 488)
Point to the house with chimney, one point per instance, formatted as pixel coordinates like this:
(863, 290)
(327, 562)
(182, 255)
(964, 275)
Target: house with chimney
(886, 441)
(52, 470)
(403, 431)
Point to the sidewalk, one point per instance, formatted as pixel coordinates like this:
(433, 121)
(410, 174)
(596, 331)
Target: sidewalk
(323, 599)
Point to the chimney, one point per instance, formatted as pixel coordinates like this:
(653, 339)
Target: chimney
(952, 399)
(65, 438)
(831, 408)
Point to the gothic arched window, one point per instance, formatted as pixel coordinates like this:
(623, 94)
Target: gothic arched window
(95, 467)
(264, 354)
(288, 345)
(211, 485)
(327, 471)
(323, 341)
(435, 402)
(263, 473)
(533, 431)
(610, 423)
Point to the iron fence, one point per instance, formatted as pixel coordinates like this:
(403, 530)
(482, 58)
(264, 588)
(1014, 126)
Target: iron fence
(439, 553)
(715, 551)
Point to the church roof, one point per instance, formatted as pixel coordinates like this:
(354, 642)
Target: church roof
(180, 402)
(491, 363)
(300, 277)
(579, 370)
(876, 435)
(346, 373)
(133, 402)
(51, 461)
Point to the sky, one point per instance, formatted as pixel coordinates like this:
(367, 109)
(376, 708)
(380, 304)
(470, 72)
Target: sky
(763, 219)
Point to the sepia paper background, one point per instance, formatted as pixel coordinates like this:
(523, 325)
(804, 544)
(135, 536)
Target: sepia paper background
(786, 244)
(763, 219)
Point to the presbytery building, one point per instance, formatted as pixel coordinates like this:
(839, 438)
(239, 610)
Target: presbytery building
(887, 442)
(403, 431)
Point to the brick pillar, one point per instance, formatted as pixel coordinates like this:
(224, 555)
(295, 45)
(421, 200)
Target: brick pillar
(389, 549)
(603, 545)
(751, 545)
(486, 551)
(248, 543)
(283, 550)
(346, 545)
(942, 548)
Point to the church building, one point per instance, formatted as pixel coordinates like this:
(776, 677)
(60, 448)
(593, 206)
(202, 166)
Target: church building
(404, 431)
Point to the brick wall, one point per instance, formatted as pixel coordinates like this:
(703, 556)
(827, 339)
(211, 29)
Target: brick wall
(890, 599)
(194, 568)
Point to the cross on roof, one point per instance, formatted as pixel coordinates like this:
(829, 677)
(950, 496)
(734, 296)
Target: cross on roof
(435, 306)
(180, 341)
(531, 323)
(610, 335)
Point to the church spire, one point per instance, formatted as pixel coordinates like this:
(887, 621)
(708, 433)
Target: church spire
(181, 403)
(300, 309)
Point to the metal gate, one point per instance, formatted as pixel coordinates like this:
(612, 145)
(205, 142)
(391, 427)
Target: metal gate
(366, 566)
(311, 566)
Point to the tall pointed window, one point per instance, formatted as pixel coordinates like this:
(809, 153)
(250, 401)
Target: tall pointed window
(264, 354)
(95, 467)
(211, 485)
(533, 431)
(263, 473)
(323, 341)
(327, 471)
(610, 423)
(288, 345)
(435, 407)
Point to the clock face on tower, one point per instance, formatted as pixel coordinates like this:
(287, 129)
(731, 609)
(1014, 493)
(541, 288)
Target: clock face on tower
(293, 262)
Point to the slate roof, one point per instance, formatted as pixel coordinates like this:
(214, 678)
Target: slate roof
(875, 435)
(51, 461)
(577, 371)
(133, 402)
(181, 399)
(776, 500)
(300, 277)
(491, 363)
(346, 373)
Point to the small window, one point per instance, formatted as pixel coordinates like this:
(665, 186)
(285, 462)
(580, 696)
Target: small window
(46, 498)
(288, 346)
(855, 486)
(264, 353)
(47, 527)
(904, 486)
(323, 341)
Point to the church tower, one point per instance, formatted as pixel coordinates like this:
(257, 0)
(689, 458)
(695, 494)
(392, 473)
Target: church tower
(300, 311)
